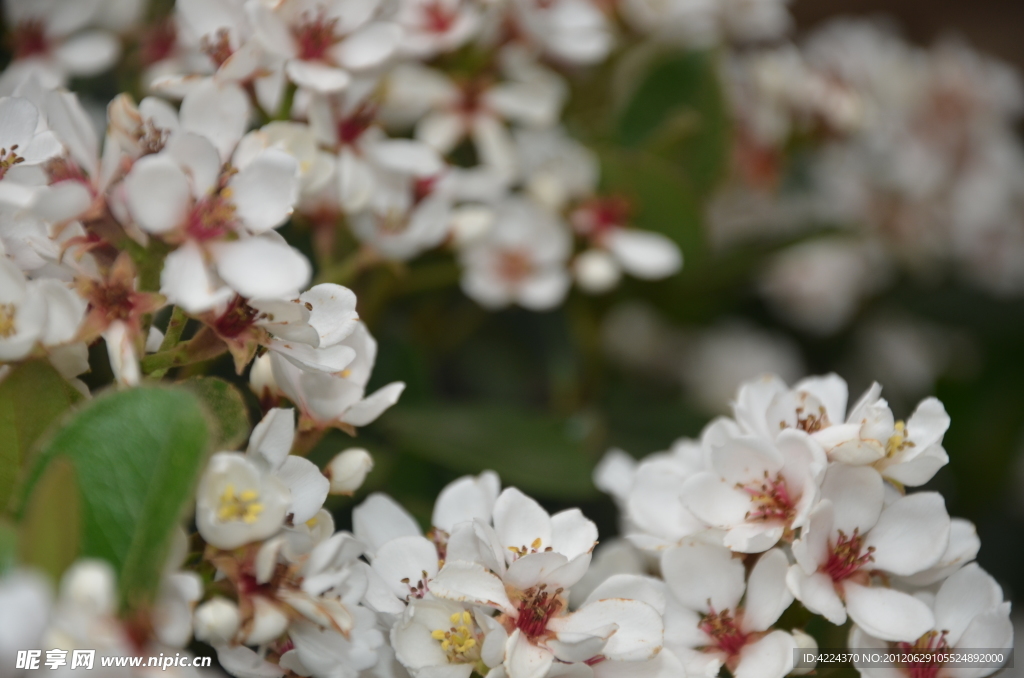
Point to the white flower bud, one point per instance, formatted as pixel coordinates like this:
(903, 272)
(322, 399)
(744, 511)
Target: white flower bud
(348, 470)
(261, 377)
(90, 586)
(596, 271)
(268, 622)
(216, 621)
(804, 642)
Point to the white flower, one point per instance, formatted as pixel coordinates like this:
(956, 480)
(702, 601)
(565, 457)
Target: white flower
(706, 625)
(442, 638)
(521, 259)
(33, 312)
(642, 254)
(26, 599)
(572, 31)
(50, 44)
(297, 140)
(269, 448)
(182, 194)
(909, 453)
(22, 142)
(757, 491)
(238, 502)
(527, 564)
(324, 42)
(445, 113)
(969, 615)
(179, 591)
(338, 399)
(851, 540)
(431, 27)
(555, 168)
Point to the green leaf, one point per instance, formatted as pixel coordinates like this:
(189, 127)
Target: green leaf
(679, 111)
(32, 396)
(541, 455)
(136, 457)
(50, 530)
(227, 410)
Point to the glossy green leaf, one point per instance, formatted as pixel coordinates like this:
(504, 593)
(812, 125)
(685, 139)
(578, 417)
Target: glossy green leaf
(32, 396)
(229, 416)
(136, 457)
(541, 455)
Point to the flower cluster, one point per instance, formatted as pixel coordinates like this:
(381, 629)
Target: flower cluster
(798, 496)
(792, 499)
(912, 151)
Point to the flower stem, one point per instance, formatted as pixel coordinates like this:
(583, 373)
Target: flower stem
(204, 346)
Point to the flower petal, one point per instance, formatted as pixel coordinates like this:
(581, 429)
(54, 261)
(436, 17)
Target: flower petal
(887, 614)
(911, 534)
(262, 267)
(158, 193)
(699, 573)
(265, 192)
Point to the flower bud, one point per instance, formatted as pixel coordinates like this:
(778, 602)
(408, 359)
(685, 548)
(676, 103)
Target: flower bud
(261, 381)
(216, 621)
(268, 622)
(596, 271)
(348, 470)
(804, 642)
(90, 586)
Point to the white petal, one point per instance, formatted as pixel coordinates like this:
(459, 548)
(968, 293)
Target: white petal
(89, 53)
(966, 593)
(817, 593)
(887, 614)
(186, 281)
(470, 583)
(572, 533)
(265, 192)
(638, 638)
(198, 157)
(856, 496)
(158, 193)
(911, 534)
(411, 558)
(645, 254)
(767, 594)
(368, 47)
(331, 360)
(714, 500)
(272, 438)
(746, 459)
(218, 111)
(372, 406)
(317, 76)
(441, 130)
(308, 486)
(242, 662)
(928, 423)
(768, 657)
(407, 157)
(334, 311)
(523, 659)
(698, 573)
(466, 499)
(18, 120)
(520, 521)
(544, 290)
(379, 519)
(262, 267)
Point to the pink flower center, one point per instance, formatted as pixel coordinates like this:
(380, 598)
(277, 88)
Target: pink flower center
(29, 39)
(931, 642)
(159, 42)
(514, 266)
(846, 559)
(724, 630)
(236, 319)
(437, 18)
(419, 589)
(218, 47)
(771, 499)
(601, 215)
(212, 218)
(315, 36)
(535, 608)
(352, 127)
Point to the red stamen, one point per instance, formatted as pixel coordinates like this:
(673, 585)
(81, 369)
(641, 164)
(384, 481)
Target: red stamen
(536, 608)
(724, 630)
(845, 560)
(315, 36)
(29, 39)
